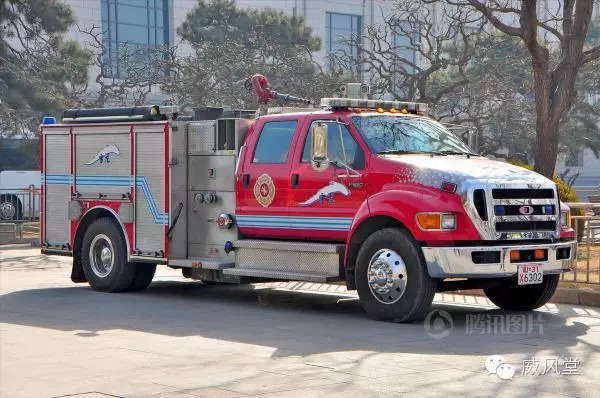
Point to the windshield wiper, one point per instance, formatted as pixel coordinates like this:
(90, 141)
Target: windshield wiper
(454, 153)
(400, 152)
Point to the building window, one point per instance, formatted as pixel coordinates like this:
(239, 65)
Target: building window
(131, 29)
(406, 39)
(342, 33)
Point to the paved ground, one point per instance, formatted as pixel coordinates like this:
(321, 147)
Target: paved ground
(184, 339)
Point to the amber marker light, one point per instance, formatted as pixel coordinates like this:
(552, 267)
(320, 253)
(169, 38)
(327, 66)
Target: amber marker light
(539, 254)
(515, 255)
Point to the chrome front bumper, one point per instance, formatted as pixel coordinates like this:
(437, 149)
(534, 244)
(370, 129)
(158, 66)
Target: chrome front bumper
(457, 262)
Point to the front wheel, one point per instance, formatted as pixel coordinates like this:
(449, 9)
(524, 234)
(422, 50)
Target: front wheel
(391, 277)
(510, 296)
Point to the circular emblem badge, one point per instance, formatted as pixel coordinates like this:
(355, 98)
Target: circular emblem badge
(264, 190)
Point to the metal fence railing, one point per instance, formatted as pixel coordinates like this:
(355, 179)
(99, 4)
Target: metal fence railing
(587, 229)
(19, 205)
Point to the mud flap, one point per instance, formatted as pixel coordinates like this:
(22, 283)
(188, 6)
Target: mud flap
(77, 275)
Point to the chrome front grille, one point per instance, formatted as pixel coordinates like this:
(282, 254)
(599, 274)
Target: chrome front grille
(505, 212)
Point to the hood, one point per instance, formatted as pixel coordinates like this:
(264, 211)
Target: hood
(432, 171)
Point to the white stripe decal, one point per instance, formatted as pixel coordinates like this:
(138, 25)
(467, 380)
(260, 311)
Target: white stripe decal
(278, 222)
(112, 181)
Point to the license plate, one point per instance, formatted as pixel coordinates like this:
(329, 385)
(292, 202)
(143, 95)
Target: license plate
(530, 274)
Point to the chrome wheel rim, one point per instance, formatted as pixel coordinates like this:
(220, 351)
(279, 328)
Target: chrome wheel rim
(102, 257)
(7, 211)
(386, 276)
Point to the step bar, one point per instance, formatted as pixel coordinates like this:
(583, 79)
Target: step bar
(272, 259)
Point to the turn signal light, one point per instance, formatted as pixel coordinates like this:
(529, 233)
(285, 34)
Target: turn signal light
(429, 220)
(515, 255)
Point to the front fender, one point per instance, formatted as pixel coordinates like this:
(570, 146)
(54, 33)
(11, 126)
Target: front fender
(403, 204)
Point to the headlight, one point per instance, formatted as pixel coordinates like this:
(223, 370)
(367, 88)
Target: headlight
(565, 219)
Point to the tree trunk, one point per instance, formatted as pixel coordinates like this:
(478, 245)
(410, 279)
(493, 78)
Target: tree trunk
(547, 146)
(546, 126)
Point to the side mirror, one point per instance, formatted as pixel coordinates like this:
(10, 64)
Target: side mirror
(319, 146)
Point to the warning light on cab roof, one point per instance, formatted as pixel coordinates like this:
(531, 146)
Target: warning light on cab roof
(380, 106)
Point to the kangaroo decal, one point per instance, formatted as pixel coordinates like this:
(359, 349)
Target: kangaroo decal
(105, 154)
(327, 192)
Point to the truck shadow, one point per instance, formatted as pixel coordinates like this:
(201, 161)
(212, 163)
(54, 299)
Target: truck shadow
(293, 322)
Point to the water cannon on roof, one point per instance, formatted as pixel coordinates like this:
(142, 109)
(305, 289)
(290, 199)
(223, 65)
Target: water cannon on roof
(260, 85)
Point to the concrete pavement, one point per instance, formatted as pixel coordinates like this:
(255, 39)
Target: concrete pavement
(185, 339)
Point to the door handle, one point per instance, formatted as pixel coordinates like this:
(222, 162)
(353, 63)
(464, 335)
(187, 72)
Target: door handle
(246, 180)
(295, 180)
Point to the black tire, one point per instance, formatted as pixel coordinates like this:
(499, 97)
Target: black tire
(419, 290)
(121, 274)
(144, 273)
(13, 210)
(510, 296)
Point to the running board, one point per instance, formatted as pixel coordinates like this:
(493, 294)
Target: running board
(203, 263)
(273, 274)
(288, 260)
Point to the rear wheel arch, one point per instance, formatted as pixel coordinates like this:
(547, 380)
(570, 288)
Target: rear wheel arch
(91, 216)
(86, 220)
(360, 234)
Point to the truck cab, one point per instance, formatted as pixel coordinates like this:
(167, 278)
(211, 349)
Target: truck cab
(372, 193)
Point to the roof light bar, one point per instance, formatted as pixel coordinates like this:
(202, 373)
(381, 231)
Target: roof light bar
(411, 107)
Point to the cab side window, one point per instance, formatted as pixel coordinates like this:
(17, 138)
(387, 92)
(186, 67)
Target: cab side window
(341, 147)
(274, 142)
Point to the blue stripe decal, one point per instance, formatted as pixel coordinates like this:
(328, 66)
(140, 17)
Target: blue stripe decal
(278, 222)
(112, 181)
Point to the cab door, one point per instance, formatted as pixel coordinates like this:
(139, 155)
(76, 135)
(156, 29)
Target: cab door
(322, 203)
(262, 182)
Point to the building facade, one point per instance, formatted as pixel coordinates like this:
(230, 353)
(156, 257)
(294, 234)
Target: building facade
(143, 24)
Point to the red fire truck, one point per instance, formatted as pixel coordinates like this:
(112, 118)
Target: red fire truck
(370, 192)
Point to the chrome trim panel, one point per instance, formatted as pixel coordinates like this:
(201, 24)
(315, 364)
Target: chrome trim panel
(523, 202)
(550, 217)
(457, 262)
(487, 228)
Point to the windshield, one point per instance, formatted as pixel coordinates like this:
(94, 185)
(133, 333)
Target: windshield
(386, 134)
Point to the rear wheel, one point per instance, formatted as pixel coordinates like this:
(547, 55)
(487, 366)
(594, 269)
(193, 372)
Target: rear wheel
(510, 296)
(144, 273)
(104, 257)
(392, 280)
